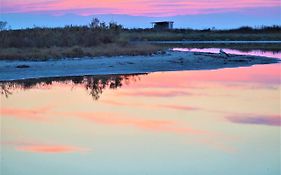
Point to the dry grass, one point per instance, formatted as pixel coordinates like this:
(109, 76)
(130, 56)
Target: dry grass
(77, 51)
(198, 36)
(113, 40)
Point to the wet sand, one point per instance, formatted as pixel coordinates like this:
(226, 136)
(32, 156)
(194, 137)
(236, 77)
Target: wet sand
(170, 61)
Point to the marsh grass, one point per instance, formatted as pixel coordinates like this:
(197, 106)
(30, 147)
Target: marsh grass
(100, 39)
(78, 51)
(201, 35)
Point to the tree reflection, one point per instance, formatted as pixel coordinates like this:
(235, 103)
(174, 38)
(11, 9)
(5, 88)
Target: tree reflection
(5, 90)
(95, 85)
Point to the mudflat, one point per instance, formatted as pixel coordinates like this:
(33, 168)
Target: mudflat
(168, 61)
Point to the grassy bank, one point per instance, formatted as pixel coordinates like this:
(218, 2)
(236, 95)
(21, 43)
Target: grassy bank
(34, 53)
(100, 39)
(272, 33)
(96, 39)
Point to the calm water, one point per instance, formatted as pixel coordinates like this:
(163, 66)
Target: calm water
(232, 51)
(193, 122)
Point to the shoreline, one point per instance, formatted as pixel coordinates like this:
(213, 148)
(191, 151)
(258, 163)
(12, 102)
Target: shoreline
(170, 61)
(214, 42)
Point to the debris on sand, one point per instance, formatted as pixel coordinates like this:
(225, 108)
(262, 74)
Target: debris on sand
(23, 66)
(223, 53)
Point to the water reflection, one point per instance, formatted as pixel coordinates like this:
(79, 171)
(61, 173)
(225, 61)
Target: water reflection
(93, 84)
(271, 54)
(189, 122)
(273, 48)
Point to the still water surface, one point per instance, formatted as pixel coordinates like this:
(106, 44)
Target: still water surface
(219, 122)
(232, 51)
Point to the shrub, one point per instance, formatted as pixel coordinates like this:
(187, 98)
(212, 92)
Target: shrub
(97, 33)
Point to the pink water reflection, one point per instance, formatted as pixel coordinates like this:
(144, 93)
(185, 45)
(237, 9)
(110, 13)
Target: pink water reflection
(273, 120)
(263, 76)
(232, 51)
(147, 124)
(185, 119)
(36, 114)
(48, 148)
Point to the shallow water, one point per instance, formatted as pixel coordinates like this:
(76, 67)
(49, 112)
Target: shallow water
(232, 51)
(219, 122)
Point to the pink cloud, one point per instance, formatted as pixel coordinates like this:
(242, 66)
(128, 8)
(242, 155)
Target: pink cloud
(144, 7)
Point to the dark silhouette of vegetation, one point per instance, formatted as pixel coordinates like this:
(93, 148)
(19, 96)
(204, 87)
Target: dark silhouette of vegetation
(245, 29)
(270, 29)
(3, 25)
(84, 36)
(96, 39)
(239, 34)
(95, 85)
(102, 39)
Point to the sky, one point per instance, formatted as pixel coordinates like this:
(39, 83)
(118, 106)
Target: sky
(258, 9)
(132, 7)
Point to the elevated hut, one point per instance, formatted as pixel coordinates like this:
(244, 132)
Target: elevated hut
(163, 25)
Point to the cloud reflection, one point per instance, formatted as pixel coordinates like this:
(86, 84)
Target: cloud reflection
(178, 107)
(48, 148)
(148, 124)
(273, 120)
(38, 147)
(155, 93)
(209, 138)
(31, 114)
(151, 106)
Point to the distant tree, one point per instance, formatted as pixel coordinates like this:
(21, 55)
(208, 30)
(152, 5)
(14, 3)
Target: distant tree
(95, 23)
(245, 29)
(3, 25)
(114, 26)
(103, 25)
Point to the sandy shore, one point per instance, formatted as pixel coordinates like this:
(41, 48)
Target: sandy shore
(170, 61)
